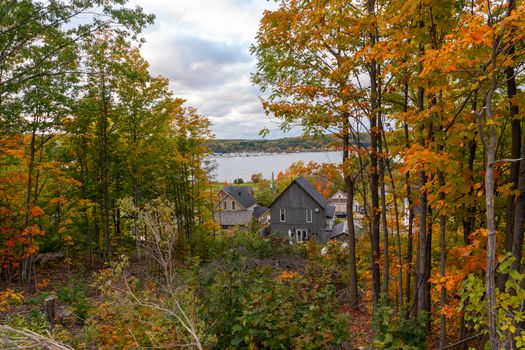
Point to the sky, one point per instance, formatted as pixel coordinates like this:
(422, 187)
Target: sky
(202, 47)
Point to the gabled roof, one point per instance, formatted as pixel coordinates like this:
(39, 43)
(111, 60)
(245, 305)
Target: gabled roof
(337, 193)
(309, 189)
(241, 194)
(258, 211)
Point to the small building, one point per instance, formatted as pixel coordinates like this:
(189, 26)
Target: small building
(237, 207)
(340, 231)
(300, 212)
(339, 199)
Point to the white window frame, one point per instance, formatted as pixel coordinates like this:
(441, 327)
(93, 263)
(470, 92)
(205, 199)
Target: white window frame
(311, 212)
(301, 235)
(282, 215)
(224, 205)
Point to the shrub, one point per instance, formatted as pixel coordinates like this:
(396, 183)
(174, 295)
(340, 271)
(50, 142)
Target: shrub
(509, 304)
(290, 313)
(398, 332)
(250, 307)
(35, 321)
(137, 314)
(250, 244)
(75, 294)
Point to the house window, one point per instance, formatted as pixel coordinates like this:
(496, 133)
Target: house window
(233, 205)
(301, 235)
(308, 215)
(225, 205)
(282, 213)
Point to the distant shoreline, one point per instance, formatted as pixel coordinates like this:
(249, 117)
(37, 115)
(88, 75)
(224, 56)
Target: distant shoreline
(256, 154)
(326, 143)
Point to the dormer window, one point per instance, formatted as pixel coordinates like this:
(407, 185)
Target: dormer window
(233, 205)
(224, 205)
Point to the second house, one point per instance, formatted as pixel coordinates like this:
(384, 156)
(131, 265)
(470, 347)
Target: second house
(302, 213)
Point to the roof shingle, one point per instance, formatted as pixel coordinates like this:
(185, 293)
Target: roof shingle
(233, 217)
(241, 194)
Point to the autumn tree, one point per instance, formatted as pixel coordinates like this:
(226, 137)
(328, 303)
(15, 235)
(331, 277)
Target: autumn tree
(306, 60)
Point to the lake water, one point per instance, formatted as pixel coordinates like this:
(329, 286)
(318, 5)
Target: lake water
(231, 168)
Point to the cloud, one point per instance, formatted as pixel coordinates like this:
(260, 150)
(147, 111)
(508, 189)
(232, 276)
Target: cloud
(202, 47)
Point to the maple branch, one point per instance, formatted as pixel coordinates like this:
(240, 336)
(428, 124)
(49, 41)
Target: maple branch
(459, 111)
(507, 160)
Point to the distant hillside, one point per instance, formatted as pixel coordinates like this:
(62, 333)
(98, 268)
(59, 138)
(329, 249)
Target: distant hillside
(289, 144)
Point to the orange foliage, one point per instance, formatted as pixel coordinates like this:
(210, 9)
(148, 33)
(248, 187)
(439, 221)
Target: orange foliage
(286, 275)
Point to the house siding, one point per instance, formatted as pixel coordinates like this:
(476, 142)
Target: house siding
(295, 201)
(226, 198)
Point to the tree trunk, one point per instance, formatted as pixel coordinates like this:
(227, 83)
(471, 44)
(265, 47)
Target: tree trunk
(374, 176)
(517, 169)
(442, 260)
(349, 184)
(398, 228)
(105, 171)
(135, 217)
(386, 262)
(490, 146)
(410, 210)
(354, 298)
(519, 213)
(26, 268)
(421, 258)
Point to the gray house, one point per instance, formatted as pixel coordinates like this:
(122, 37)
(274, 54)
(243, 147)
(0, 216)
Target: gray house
(300, 212)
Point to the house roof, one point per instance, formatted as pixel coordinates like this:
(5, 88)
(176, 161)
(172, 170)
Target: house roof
(330, 211)
(241, 194)
(233, 217)
(258, 211)
(342, 229)
(309, 189)
(339, 229)
(338, 193)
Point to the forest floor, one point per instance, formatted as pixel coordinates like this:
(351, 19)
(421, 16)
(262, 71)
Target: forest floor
(76, 297)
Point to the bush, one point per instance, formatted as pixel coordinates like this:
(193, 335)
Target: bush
(35, 321)
(250, 244)
(398, 332)
(509, 304)
(251, 307)
(139, 314)
(75, 294)
(291, 313)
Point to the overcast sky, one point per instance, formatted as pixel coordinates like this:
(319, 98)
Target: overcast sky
(202, 47)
